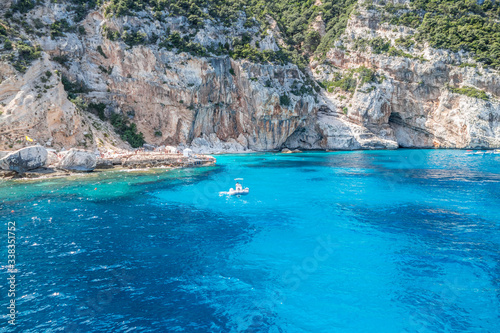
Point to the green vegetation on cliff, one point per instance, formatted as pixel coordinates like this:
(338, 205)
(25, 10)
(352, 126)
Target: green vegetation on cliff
(379, 45)
(128, 131)
(469, 91)
(58, 28)
(26, 54)
(22, 6)
(307, 26)
(73, 88)
(224, 10)
(450, 24)
(293, 17)
(455, 25)
(353, 79)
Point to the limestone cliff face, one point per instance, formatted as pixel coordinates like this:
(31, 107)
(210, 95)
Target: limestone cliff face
(30, 106)
(188, 98)
(212, 103)
(37, 106)
(220, 104)
(414, 105)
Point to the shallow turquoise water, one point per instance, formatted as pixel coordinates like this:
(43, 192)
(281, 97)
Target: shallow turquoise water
(384, 241)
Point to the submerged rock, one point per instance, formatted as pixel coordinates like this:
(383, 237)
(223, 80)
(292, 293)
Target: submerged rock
(78, 160)
(24, 159)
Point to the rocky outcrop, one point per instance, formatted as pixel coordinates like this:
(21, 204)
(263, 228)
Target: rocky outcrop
(36, 104)
(157, 160)
(217, 100)
(211, 144)
(412, 104)
(24, 159)
(78, 160)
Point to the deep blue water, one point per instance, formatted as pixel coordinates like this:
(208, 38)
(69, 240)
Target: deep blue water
(382, 241)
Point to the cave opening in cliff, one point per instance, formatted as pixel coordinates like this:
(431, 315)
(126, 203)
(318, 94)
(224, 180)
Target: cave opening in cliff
(395, 118)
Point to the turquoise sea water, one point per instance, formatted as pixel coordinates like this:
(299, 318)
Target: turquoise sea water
(382, 241)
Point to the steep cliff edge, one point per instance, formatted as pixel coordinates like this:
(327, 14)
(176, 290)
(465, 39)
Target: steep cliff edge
(99, 80)
(418, 97)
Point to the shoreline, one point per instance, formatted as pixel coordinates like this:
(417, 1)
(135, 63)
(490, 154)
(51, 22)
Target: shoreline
(137, 161)
(47, 173)
(142, 162)
(344, 150)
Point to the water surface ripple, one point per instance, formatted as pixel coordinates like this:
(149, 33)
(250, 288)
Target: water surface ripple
(382, 241)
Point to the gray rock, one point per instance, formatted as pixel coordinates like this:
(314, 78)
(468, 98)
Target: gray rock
(148, 147)
(78, 160)
(24, 159)
(104, 164)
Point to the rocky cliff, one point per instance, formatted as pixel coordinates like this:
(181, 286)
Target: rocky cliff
(175, 84)
(415, 104)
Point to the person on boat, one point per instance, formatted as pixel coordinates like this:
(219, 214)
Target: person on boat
(238, 186)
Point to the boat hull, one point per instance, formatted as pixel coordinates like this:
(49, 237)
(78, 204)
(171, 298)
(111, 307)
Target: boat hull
(242, 192)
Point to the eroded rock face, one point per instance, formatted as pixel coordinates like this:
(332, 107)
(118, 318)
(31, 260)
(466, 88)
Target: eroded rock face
(37, 105)
(216, 99)
(24, 159)
(413, 105)
(78, 160)
(218, 104)
(212, 144)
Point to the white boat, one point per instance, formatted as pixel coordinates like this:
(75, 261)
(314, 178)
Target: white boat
(238, 190)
